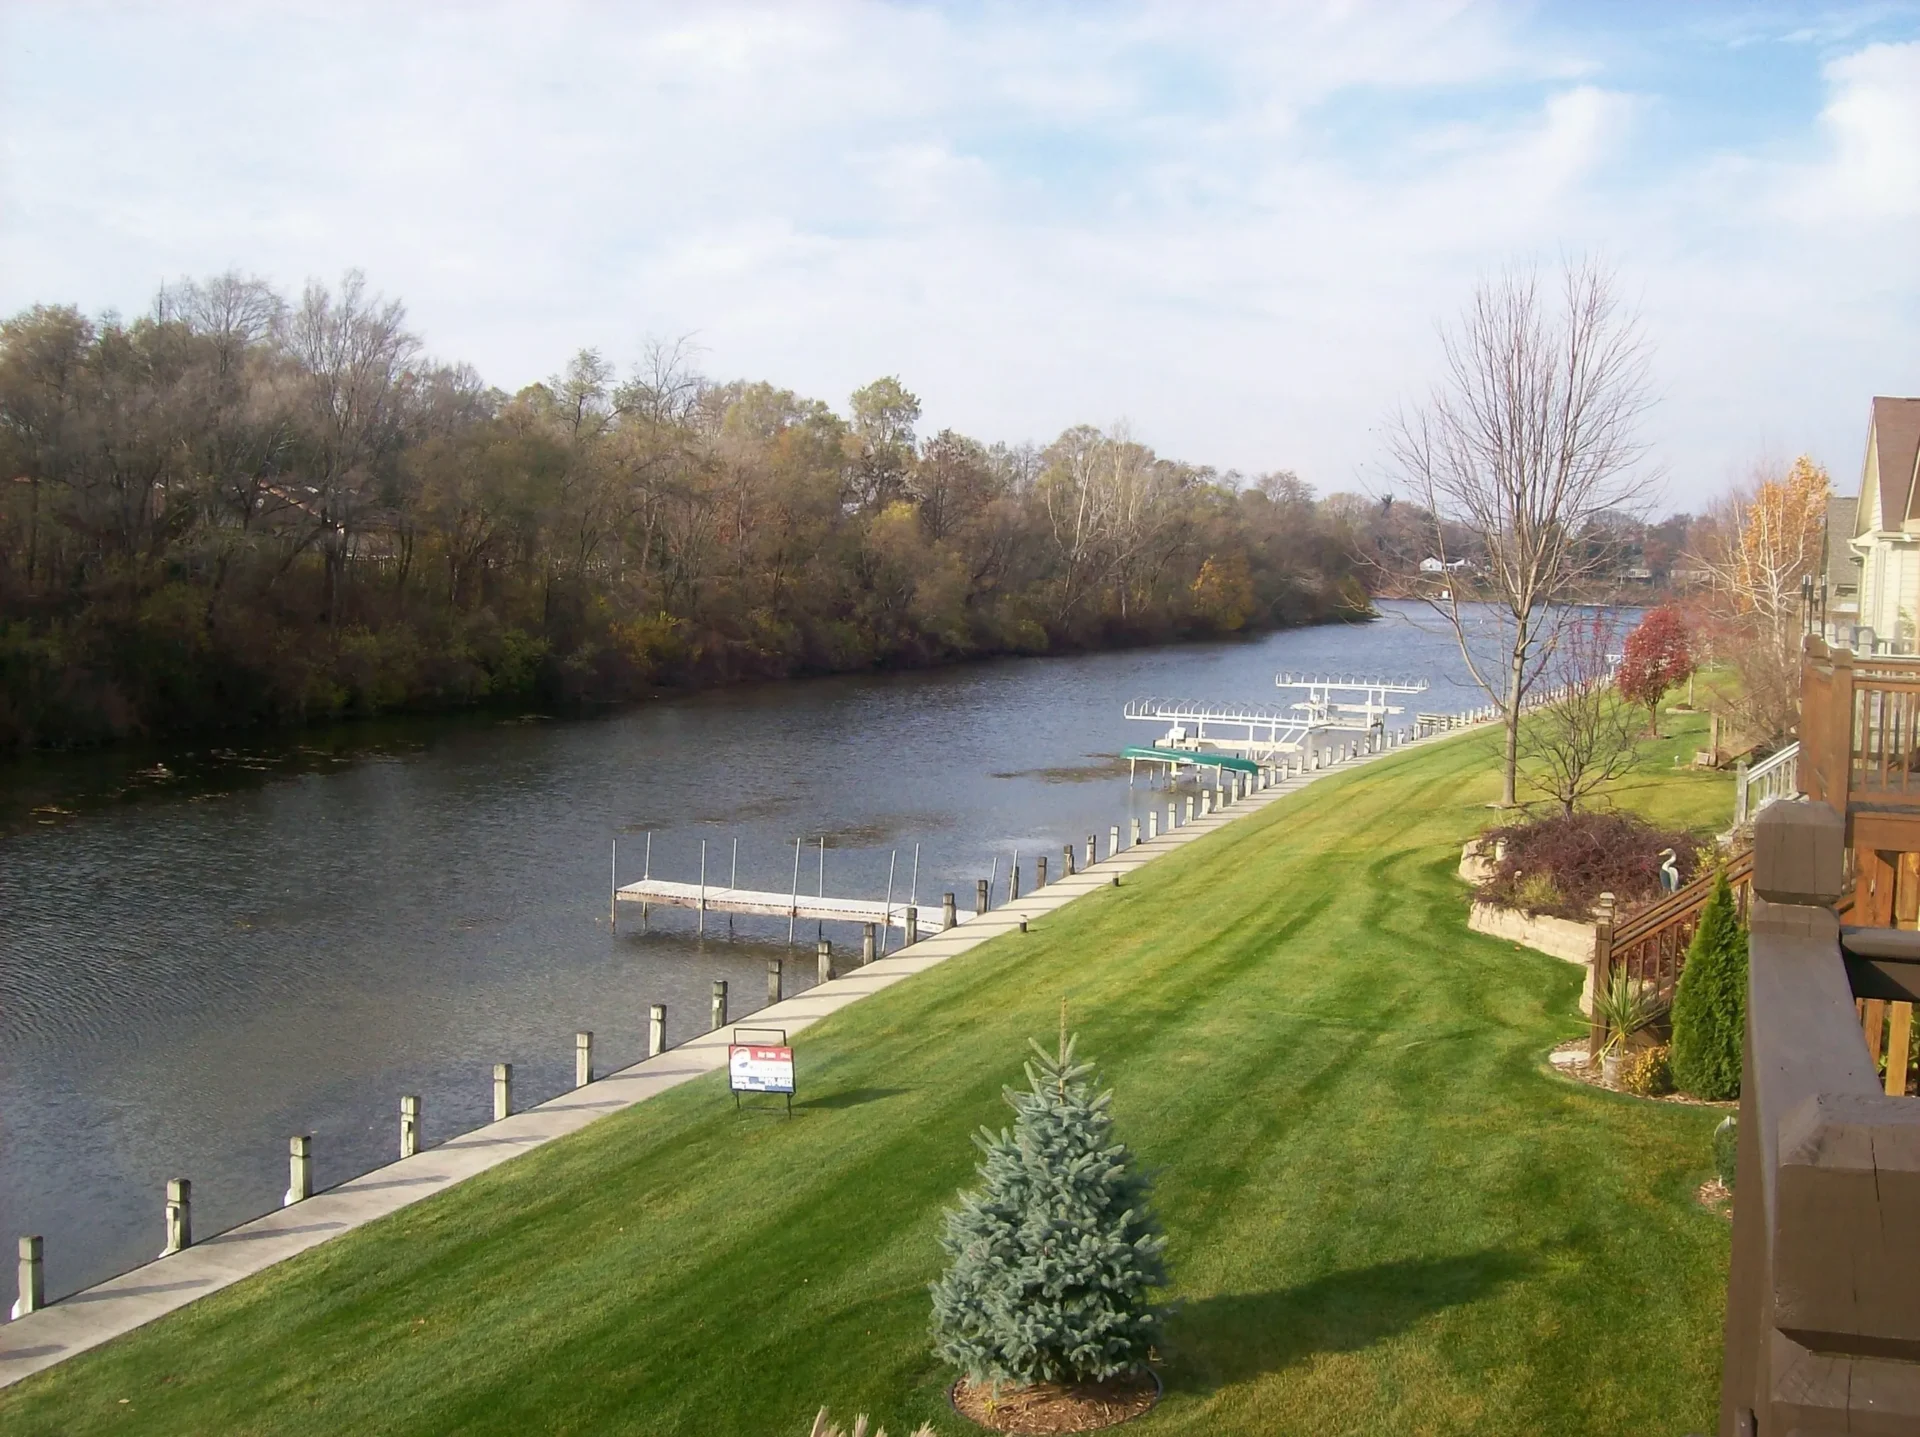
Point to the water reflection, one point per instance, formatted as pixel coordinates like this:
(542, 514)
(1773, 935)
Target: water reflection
(204, 951)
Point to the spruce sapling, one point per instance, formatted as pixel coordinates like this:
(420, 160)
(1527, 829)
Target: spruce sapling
(1055, 1257)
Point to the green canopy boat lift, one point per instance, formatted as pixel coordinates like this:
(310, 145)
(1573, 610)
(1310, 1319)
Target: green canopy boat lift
(1174, 757)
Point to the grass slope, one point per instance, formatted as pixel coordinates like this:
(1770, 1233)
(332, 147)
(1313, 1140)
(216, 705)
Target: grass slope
(1386, 1215)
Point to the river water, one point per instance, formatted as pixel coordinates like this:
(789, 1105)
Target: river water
(206, 950)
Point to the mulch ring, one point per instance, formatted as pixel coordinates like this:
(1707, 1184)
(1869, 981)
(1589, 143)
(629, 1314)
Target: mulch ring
(1716, 1196)
(1056, 1407)
(1570, 1061)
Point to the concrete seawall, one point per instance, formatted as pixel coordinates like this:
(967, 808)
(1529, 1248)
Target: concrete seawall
(41, 1339)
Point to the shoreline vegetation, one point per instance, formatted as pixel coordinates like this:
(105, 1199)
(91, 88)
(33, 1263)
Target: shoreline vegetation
(242, 511)
(1385, 1211)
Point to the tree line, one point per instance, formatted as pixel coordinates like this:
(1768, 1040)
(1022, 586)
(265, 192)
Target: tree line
(241, 509)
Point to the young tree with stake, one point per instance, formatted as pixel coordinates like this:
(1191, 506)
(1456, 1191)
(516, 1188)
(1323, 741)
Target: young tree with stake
(1528, 443)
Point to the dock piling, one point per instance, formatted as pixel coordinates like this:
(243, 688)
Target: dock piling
(179, 1216)
(1113, 841)
(1013, 881)
(949, 914)
(719, 1011)
(913, 927)
(582, 1059)
(656, 1030)
(982, 895)
(1092, 857)
(1039, 873)
(869, 941)
(825, 954)
(409, 1125)
(774, 985)
(502, 1091)
(1153, 825)
(299, 1170)
(1133, 830)
(33, 1282)
(1066, 860)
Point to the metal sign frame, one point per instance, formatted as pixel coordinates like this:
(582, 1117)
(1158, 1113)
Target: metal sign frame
(779, 1040)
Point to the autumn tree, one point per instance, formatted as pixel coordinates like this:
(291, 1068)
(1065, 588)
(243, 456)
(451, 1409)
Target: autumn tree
(1657, 656)
(1530, 435)
(1767, 543)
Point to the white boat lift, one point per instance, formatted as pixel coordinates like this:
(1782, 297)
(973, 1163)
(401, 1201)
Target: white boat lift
(1265, 732)
(1343, 715)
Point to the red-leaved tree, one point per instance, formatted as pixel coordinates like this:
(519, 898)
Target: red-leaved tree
(1657, 656)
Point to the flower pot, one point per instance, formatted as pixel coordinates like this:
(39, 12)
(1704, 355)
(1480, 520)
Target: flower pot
(1610, 1064)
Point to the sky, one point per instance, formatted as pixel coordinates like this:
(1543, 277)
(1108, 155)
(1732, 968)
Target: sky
(1236, 229)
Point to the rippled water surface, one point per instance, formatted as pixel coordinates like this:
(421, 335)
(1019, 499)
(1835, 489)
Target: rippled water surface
(203, 952)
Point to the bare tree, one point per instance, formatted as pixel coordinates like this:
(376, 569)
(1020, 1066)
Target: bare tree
(1528, 440)
(1585, 738)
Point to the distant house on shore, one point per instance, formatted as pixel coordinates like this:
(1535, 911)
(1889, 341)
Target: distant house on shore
(1431, 565)
(1885, 531)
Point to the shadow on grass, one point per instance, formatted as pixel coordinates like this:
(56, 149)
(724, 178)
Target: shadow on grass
(1217, 1341)
(851, 1098)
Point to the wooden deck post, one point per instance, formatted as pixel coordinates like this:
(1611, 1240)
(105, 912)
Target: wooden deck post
(582, 1059)
(656, 1030)
(1602, 974)
(409, 1125)
(502, 1091)
(33, 1286)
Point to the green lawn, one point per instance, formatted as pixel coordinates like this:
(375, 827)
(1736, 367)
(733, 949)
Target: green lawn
(1385, 1214)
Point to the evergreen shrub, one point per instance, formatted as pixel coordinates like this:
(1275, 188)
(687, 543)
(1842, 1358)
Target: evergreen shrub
(1726, 1150)
(1056, 1256)
(1710, 1005)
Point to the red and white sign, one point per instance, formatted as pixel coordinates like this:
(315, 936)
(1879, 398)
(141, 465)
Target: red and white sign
(755, 1069)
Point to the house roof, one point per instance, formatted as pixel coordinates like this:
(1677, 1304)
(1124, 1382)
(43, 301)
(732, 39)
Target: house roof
(1896, 440)
(1840, 557)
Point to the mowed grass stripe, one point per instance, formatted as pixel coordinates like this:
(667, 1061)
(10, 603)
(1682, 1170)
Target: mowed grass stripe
(1385, 1214)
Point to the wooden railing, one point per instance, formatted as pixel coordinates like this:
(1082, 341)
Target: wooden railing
(1652, 944)
(1859, 728)
(1822, 1330)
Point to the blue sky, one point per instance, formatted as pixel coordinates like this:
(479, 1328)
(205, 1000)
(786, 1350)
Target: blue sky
(1233, 227)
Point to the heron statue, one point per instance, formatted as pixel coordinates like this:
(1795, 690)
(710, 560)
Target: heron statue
(1669, 871)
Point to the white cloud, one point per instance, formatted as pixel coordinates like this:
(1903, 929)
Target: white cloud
(1235, 226)
(1874, 120)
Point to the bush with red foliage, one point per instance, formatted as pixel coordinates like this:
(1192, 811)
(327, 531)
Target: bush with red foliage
(1582, 855)
(1657, 656)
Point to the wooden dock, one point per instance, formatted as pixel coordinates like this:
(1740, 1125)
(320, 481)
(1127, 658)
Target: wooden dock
(662, 893)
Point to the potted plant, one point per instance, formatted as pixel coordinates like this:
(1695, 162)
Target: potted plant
(1628, 1006)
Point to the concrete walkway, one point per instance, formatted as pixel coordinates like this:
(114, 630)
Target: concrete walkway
(89, 1318)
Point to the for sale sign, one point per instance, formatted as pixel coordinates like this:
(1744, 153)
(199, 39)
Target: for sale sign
(752, 1068)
